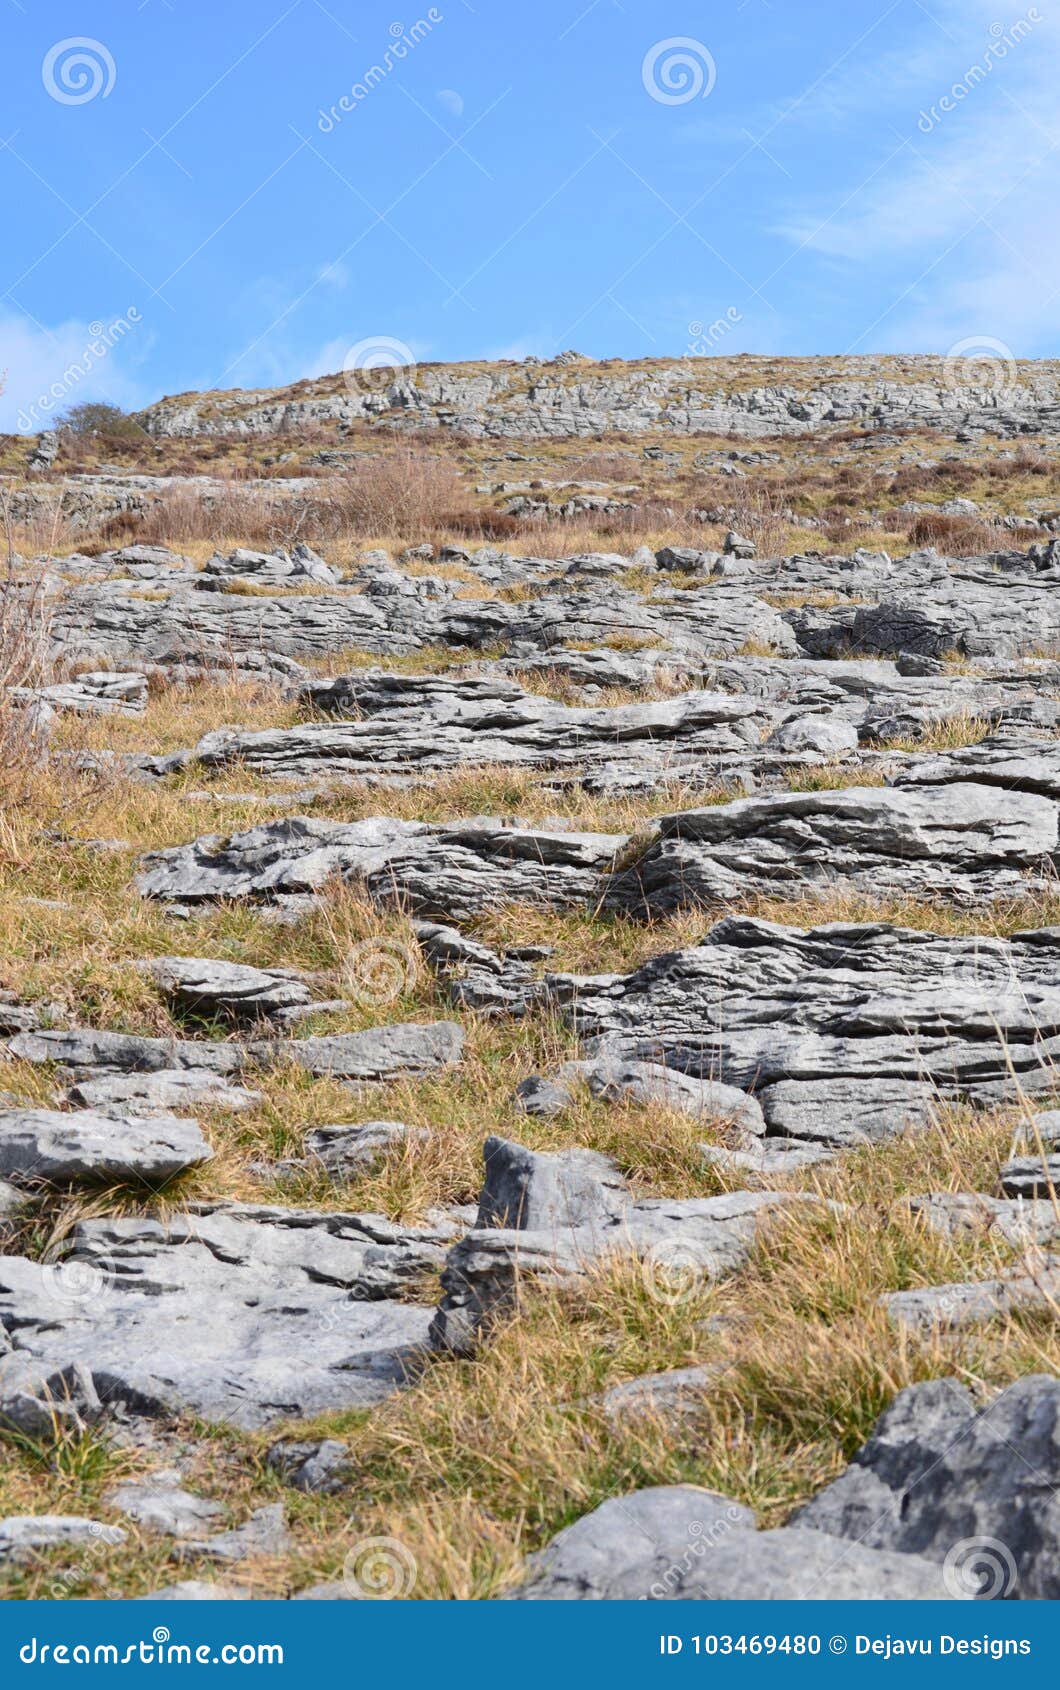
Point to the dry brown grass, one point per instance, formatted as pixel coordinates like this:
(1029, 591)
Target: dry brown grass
(482, 1460)
(421, 486)
(999, 919)
(965, 536)
(403, 492)
(24, 663)
(833, 777)
(950, 733)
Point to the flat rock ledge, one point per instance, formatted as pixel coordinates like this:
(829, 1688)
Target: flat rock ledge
(966, 842)
(379, 1054)
(234, 1312)
(678, 1543)
(451, 872)
(47, 1147)
(845, 1032)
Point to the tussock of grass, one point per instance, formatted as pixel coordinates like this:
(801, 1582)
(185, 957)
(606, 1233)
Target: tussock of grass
(833, 777)
(952, 733)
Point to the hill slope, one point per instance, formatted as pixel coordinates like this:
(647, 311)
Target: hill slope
(572, 395)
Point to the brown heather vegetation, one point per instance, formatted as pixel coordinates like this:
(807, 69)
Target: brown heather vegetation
(421, 486)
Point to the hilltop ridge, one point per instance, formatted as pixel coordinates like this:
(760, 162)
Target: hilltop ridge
(572, 395)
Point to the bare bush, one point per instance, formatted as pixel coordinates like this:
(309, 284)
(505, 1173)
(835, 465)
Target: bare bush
(764, 517)
(401, 495)
(252, 515)
(404, 493)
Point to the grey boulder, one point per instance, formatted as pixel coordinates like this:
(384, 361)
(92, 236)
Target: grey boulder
(86, 1053)
(670, 1396)
(161, 1504)
(1031, 1176)
(23, 1536)
(376, 1055)
(379, 1053)
(539, 1095)
(263, 1534)
(83, 1148)
(204, 987)
(973, 1488)
(451, 872)
(343, 1152)
(37, 1400)
(936, 1309)
(830, 735)
(161, 1092)
(677, 1543)
(554, 1215)
(757, 1003)
(967, 1214)
(408, 724)
(323, 1466)
(653, 1083)
(846, 1112)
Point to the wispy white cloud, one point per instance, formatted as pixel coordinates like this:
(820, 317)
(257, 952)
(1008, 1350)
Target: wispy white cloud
(958, 213)
(46, 368)
(335, 275)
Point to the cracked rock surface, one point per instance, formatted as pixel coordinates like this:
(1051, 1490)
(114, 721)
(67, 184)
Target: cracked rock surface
(234, 1312)
(84, 1148)
(273, 980)
(965, 842)
(451, 872)
(758, 1004)
(678, 1543)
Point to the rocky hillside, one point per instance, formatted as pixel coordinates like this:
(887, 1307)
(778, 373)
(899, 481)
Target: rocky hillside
(530, 1006)
(576, 396)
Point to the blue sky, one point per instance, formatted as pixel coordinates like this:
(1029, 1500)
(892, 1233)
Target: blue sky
(874, 176)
